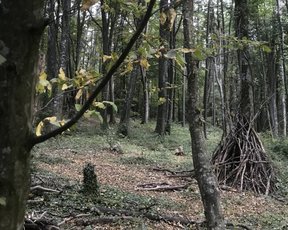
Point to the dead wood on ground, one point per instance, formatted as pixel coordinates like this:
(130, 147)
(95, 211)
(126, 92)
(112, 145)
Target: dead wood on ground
(160, 187)
(241, 161)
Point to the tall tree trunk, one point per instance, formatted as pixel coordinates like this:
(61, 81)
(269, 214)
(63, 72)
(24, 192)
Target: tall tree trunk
(80, 27)
(125, 114)
(208, 63)
(163, 66)
(272, 90)
(146, 96)
(283, 86)
(171, 78)
(21, 26)
(204, 174)
(64, 56)
(241, 29)
(52, 66)
(106, 51)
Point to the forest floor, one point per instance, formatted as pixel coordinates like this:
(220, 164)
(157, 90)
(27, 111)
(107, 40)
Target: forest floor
(127, 175)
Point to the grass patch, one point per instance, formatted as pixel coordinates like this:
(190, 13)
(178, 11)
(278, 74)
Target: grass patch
(116, 198)
(48, 159)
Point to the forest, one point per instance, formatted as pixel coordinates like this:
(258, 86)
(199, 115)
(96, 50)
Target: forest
(143, 114)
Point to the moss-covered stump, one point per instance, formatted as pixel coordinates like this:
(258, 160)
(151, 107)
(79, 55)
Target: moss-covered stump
(241, 162)
(90, 182)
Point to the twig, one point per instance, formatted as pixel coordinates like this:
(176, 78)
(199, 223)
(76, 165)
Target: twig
(38, 187)
(161, 187)
(73, 217)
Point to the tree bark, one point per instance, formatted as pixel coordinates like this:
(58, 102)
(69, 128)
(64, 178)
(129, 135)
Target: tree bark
(241, 29)
(203, 171)
(21, 26)
(282, 73)
(163, 72)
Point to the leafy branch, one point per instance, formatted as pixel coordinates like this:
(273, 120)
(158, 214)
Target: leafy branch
(38, 139)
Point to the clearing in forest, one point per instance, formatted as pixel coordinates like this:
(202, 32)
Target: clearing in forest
(143, 184)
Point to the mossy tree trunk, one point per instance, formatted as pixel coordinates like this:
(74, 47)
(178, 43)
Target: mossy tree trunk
(21, 26)
(204, 174)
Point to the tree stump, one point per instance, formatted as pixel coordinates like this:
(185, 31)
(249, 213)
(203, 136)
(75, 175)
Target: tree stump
(90, 182)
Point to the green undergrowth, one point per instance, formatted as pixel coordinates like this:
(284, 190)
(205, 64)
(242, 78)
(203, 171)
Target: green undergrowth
(278, 153)
(143, 148)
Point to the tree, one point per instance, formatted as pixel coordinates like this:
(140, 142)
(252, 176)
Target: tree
(22, 25)
(163, 68)
(125, 114)
(240, 160)
(204, 174)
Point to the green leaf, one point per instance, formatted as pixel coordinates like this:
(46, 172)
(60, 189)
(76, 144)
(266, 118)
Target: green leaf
(112, 104)
(2, 59)
(97, 115)
(266, 48)
(198, 55)
(171, 54)
(180, 60)
(78, 107)
(3, 201)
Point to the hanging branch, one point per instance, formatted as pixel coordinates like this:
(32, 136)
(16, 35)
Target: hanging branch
(36, 140)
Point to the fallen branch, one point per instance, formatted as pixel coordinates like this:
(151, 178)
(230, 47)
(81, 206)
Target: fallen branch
(148, 215)
(172, 172)
(73, 217)
(160, 187)
(102, 220)
(43, 189)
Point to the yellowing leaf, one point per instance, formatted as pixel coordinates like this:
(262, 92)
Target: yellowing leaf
(129, 68)
(171, 17)
(106, 57)
(163, 18)
(144, 63)
(64, 86)
(43, 76)
(39, 128)
(79, 94)
(185, 50)
(61, 74)
(51, 119)
(99, 105)
(161, 100)
(86, 4)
